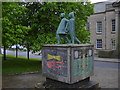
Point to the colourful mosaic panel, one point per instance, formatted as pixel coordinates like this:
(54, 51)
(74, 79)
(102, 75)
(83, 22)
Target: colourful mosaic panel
(56, 62)
(82, 63)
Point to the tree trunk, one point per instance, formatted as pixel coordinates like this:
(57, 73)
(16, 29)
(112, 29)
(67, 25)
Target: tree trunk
(4, 53)
(28, 51)
(0, 50)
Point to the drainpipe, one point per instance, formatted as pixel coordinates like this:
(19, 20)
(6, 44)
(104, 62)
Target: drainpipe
(105, 31)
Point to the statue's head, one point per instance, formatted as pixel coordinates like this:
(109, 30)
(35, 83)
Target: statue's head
(71, 15)
(62, 15)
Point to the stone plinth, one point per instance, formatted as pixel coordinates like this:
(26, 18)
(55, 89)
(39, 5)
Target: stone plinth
(67, 63)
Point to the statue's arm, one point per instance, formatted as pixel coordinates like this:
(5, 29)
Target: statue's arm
(66, 27)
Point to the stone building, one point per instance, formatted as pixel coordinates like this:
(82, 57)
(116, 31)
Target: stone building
(104, 26)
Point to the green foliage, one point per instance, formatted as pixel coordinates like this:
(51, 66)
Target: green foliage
(44, 19)
(13, 30)
(36, 23)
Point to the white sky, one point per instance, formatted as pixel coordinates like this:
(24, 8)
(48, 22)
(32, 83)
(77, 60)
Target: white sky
(94, 1)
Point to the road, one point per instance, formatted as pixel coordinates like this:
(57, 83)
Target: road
(106, 65)
(23, 54)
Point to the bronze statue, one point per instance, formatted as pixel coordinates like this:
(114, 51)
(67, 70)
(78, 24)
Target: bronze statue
(62, 28)
(67, 26)
(71, 29)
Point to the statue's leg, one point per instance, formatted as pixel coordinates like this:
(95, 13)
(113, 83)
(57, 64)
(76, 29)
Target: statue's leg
(72, 35)
(77, 40)
(72, 38)
(65, 37)
(58, 37)
(73, 41)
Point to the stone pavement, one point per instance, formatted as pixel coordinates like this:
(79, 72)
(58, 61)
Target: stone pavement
(22, 80)
(106, 77)
(114, 60)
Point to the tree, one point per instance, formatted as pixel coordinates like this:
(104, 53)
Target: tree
(43, 18)
(13, 30)
(36, 23)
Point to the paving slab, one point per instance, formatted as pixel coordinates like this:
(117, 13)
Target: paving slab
(22, 81)
(106, 77)
(114, 60)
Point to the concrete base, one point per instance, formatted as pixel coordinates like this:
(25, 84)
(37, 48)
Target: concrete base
(67, 63)
(54, 84)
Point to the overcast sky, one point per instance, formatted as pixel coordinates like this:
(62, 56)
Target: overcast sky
(94, 1)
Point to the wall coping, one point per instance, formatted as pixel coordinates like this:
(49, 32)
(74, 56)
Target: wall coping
(67, 45)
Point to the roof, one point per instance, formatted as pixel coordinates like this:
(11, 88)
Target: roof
(103, 6)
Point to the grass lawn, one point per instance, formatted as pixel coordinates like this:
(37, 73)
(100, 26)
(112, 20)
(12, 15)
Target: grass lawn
(20, 65)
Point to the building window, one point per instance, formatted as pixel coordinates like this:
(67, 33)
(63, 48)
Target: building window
(113, 44)
(113, 25)
(99, 43)
(99, 27)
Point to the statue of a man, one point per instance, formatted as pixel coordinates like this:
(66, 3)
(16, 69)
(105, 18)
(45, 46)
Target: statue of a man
(62, 28)
(71, 28)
